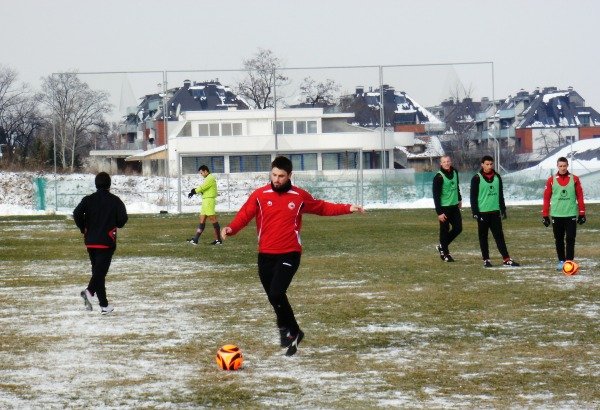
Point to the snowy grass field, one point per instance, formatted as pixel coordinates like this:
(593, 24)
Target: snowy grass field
(387, 323)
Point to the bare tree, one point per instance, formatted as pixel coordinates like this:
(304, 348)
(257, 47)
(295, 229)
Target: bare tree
(11, 95)
(314, 92)
(23, 122)
(261, 78)
(459, 92)
(76, 111)
(550, 140)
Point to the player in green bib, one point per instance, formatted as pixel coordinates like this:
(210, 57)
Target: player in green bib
(565, 208)
(448, 201)
(208, 190)
(488, 208)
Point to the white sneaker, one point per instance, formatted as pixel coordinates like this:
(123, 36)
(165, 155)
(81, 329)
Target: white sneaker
(87, 299)
(106, 309)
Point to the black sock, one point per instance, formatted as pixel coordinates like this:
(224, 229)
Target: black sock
(199, 232)
(217, 231)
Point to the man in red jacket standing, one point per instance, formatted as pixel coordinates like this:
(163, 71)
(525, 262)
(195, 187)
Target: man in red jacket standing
(278, 208)
(563, 202)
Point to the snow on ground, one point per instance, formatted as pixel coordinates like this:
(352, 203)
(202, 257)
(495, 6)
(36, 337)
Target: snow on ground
(147, 195)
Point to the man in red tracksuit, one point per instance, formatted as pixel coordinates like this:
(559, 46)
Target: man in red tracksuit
(278, 208)
(563, 202)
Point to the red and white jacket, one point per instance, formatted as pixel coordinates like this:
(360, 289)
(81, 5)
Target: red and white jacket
(279, 217)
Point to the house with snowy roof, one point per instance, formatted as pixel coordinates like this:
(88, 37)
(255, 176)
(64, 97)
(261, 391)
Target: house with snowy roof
(143, 128)
(554, 118)
(231, 137)
(401, 112)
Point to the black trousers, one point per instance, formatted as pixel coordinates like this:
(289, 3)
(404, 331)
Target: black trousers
(101, 259)
(565, 228)
(450, 228)
(491, 221)
(276, 273)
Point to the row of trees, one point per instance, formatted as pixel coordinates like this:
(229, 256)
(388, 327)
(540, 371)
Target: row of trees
(66, 113)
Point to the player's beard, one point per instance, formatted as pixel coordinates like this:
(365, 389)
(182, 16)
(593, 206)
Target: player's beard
(283, 187)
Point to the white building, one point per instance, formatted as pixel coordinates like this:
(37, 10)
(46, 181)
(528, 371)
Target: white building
(230, 141)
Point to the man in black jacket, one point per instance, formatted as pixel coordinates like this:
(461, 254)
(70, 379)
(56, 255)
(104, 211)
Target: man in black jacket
(448, 201)
(98, 216)
(489, 209)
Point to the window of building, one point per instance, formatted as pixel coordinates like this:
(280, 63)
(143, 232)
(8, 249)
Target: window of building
(372, 160)
(584, 120)
(284, 127)
(306, 127)
(249, 163)
(216, 129)
(350, 160)
(303, 162)
(190, 165)
(340, 160)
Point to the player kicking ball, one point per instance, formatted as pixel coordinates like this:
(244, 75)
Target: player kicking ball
(278, 208)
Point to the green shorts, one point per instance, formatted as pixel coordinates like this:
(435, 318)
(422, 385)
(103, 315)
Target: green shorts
(208, 206)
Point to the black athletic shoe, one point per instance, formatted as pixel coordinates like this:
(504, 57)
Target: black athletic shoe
(487, 263)
(440, 251)
(448, 258)
(216, 242)
(293, 347)
(191, 241)
(510, 262)
(285, 337)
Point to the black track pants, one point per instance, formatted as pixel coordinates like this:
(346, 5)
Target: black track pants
(276, 273)
(101, 259)
(565, 228)
(491, 222)
(451, 228)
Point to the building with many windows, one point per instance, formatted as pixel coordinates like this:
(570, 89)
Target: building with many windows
(247, 140)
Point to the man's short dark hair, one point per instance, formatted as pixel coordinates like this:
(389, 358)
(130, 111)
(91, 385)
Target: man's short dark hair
(562, 159)
(203, 168)
(282, 162)
(487, 158)
(102, 180)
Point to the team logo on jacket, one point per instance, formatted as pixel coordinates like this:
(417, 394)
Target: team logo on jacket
(269, 203)
(291, 205)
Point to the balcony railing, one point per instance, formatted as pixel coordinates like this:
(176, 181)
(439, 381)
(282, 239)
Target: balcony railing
(510, 113)
(491, 134)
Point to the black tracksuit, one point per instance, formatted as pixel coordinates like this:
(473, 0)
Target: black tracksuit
(452, 227)
(98, 216)
(489, 221)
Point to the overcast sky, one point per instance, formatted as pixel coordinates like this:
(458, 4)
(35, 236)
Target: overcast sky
(530, 42)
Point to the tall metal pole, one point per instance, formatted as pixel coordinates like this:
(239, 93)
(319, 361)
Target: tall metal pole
(54, 155)
(382, 123)
(166, 130)
(275, 109)
(499, 126)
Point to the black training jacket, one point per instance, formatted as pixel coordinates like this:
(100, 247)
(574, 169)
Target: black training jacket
(98, 216)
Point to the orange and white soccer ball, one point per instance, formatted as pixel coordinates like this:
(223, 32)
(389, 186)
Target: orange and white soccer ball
(570, 268)
(229, 357)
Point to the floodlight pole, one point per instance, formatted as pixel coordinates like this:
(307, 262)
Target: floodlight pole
(54, 155)
(275, 109)
(382, 123)
(166, 130)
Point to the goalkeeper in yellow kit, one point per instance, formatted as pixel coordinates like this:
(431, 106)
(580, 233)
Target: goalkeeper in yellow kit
(208, 190)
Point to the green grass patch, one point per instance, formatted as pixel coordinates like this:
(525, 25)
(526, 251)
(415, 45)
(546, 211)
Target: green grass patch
(387, 323)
